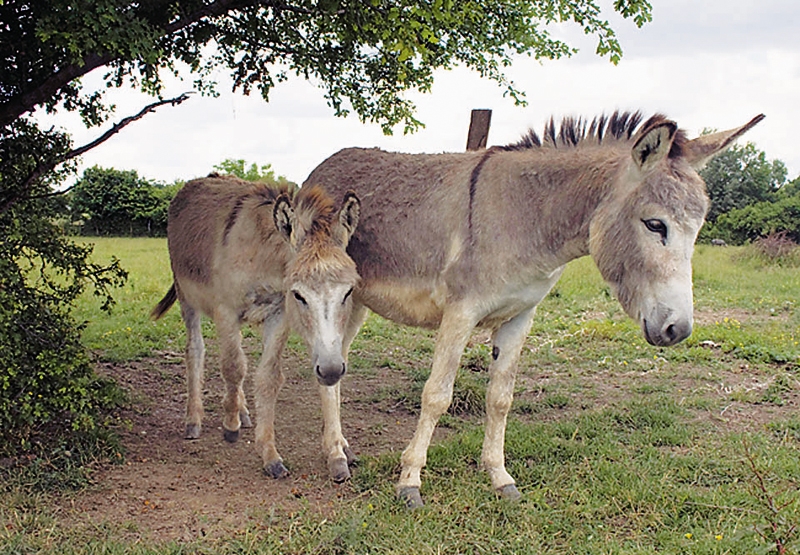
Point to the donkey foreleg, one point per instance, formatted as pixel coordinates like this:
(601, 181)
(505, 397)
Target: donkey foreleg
(267, 382)
(508, 341)
(195, 355)
(334, 444)
(437, 394)
(234, 368)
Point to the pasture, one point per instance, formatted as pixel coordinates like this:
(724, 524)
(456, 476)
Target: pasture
(617, 446)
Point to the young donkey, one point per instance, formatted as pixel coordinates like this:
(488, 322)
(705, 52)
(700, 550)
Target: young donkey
(237, 250)
(456, 241)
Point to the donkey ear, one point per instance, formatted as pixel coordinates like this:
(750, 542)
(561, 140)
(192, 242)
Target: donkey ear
(699, 151)
(283, 215)
(349, 214)
(653, 145)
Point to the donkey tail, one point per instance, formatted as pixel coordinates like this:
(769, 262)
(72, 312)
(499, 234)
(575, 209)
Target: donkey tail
(165, 303)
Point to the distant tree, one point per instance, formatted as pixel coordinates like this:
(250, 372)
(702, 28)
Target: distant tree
(114, 202)
(156, 216)
(761, 219)
(252, 172)
(739, 177)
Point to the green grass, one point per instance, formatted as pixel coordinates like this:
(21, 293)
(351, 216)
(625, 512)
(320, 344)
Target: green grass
(618, 447)
(634, 479)
(720, 280)
(128, 333)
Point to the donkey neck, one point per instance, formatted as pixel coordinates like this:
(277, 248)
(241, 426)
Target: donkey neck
(558, 192)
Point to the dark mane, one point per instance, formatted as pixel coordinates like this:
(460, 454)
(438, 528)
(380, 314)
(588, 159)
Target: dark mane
(261, 192)
(315, 203)
(572, 132)
(321, 256)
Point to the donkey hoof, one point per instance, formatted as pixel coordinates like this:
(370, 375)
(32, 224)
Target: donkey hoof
(230, 436)
(411, 497)
(339, 470)
(352, 460)
(509, 492)
(245, 419)
(192, 431)
(276, 470)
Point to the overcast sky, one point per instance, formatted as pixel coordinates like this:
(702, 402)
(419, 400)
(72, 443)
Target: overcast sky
(703, 63)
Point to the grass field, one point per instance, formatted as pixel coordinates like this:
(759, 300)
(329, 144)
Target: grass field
(617, 446)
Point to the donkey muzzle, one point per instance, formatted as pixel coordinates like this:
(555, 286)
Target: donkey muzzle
(667, 332)
(329, 374)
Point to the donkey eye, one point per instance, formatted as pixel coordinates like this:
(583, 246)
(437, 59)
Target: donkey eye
(299, 298)
(657, 226)
(347, 295)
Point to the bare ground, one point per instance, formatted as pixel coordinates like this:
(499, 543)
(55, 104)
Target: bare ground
(169, 488)
(173, 489)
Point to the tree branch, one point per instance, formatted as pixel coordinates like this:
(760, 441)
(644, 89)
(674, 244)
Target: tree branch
(27, 100)
(116, 128)
(212, 10)
(40, 93)
(41, 169)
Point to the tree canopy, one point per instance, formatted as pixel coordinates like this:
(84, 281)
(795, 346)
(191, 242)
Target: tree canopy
(750, 197)
(107, 201)
(252, 172)
(363, 53)
(120, 203)
(741, 176)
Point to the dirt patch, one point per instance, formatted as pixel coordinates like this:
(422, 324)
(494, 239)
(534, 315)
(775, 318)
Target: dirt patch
(741, 315)
(173, 489)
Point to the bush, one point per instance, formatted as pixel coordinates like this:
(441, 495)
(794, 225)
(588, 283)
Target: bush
(776, 249)
(120, 203)
(758, 220)
(49, 395)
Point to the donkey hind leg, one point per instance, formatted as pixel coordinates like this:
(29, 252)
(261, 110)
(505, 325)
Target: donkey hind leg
(234, 368)
(244, 413)
(195, 354)
(508, 340)
(267, 382)
(334, 444)
(437, 394)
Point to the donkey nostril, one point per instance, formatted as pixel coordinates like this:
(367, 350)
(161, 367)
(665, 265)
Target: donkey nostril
(670, 332)
(344, 368)
(317, 371)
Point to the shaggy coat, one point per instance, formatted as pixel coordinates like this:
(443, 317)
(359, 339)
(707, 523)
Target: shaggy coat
(454, 241)
(237, 250)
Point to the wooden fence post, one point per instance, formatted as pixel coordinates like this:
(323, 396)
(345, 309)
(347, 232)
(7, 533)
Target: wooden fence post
(479, 129)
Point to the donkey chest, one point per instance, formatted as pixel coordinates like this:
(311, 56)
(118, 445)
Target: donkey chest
(260, 303)
(504, 303)
(246, 291)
